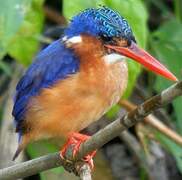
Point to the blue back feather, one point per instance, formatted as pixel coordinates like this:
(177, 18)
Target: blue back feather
(52, 64)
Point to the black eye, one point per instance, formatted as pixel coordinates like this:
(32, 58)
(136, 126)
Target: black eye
(133, 39)
(129, 40)
(106, 38)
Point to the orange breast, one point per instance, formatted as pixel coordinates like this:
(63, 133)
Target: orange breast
(74, 103)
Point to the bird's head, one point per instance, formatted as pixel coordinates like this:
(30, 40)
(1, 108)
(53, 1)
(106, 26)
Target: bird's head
(116, 35)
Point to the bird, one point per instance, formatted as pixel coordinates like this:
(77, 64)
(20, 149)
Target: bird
(76, 79)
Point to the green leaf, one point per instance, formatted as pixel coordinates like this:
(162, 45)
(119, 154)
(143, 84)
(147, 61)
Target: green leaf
(12, 13)
(113, 111)
(71, 8)
(172, 147)
(24, 44)
(166, 44)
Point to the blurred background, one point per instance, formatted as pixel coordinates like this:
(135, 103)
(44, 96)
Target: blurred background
(142, 152)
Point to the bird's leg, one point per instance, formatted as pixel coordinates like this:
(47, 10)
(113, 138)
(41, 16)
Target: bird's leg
(74, 142)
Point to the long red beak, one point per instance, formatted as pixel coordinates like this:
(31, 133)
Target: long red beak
(144, 58)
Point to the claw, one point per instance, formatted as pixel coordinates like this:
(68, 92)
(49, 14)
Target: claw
(74, 141)
(89, 159)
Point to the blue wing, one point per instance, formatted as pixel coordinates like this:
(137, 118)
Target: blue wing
(54, 63)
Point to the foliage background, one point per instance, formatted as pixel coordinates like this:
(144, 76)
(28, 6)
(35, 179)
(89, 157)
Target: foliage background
(157, 26)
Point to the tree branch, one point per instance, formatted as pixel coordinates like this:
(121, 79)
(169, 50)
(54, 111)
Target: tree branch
(97, 140)
(155, 122)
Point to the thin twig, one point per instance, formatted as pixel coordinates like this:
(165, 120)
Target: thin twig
(143, 94)
(54, 16)
(97, 140)
(155, 122)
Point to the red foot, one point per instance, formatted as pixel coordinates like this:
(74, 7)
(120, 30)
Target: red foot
(74, 141)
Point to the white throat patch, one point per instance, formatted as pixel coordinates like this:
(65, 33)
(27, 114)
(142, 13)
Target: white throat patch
(113, 58)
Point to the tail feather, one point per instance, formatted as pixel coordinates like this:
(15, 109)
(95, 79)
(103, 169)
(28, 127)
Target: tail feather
(19, 149)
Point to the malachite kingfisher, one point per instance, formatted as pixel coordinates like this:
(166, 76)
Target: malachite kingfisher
(77, 78)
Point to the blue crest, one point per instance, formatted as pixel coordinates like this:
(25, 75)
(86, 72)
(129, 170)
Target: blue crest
(100, 22)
